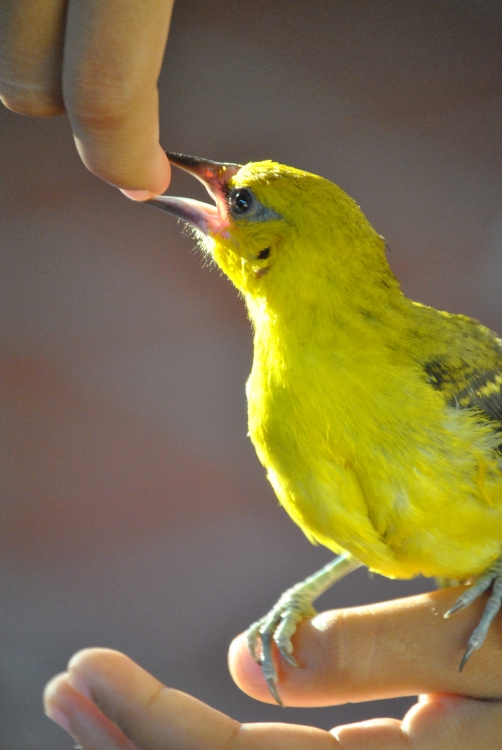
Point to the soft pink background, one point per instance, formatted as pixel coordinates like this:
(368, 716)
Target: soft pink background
(133, 512)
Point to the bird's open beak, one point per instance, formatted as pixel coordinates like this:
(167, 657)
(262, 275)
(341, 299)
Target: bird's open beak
(214, 176)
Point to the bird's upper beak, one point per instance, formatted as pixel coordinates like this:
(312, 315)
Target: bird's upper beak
(215, 177)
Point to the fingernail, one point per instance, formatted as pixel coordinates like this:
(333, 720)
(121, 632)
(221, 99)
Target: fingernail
(79, 684)
(56, 715)
(138, 195)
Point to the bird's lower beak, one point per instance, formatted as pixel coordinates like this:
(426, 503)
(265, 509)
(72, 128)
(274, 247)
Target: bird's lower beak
(214, 176)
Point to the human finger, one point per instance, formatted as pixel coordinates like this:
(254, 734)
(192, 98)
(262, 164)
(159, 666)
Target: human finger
(31, 56)
(81, 718)
(107, 702)
(112, 58)
(436, 722)
(397, 648)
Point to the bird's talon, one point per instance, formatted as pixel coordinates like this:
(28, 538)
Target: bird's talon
(289, 657)
(251, 645)
(452, 610)
(254, 655)
(281, 622)
(469, 651)
(273, 691)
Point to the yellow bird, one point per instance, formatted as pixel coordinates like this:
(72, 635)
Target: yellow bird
(378, 419)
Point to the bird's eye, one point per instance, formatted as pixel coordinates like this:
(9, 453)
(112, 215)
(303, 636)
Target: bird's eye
(264, 254)
(241, 201)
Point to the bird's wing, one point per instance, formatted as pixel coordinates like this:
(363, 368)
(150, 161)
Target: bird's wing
(474, 384)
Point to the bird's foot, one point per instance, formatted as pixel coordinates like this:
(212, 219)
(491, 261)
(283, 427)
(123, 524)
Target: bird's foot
(491, 577)
(278, 626)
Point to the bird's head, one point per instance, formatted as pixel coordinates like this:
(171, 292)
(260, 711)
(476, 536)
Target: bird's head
(280, 234)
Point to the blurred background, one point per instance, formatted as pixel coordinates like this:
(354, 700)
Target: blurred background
(134, 513)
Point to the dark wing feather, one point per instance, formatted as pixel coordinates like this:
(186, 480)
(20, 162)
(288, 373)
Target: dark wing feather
(467, 386)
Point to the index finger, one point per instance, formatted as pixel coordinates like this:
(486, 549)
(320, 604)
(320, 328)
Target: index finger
(112, 58)
(398, 648)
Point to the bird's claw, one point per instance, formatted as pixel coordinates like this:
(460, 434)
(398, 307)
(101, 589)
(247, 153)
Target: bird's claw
(288, 657)
(280, 624)
(469, 650)
(271, 682)
(278, 627)
(253, 641)
(492, 576)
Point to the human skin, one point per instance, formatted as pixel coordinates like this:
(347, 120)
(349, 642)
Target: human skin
(99, 62)
(400, 648)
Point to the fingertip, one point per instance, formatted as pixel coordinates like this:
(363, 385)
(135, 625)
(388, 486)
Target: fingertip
(163, 171)
(245, 672)
(296, 685)
(374, 733)
(94, 667)
(88, 655)
(69, 703)
(50, 701)
(140, 171)
(53, 687)
(98, 663)
(158, 185)
(137, 195)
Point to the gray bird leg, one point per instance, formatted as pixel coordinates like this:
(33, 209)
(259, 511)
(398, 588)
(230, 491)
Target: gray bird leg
(280, 624)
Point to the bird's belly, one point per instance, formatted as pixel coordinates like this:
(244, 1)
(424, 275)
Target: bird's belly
(401, 509)
(396, 530)
(435, 525)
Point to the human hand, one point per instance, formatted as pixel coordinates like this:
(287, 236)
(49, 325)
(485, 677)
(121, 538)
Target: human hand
(405, 647)
(99, 62)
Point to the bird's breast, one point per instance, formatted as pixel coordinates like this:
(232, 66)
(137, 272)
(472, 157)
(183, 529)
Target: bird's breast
(364, 460)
